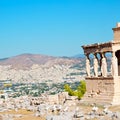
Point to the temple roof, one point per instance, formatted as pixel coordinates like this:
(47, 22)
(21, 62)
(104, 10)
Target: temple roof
(98, 47)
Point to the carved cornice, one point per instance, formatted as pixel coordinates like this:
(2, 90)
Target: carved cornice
(115, 29)
(97, 48)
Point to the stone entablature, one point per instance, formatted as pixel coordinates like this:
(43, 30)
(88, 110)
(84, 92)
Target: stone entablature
(100, 70)
(97, 48)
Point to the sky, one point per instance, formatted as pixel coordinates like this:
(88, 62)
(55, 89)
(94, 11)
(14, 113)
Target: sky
(55, 27)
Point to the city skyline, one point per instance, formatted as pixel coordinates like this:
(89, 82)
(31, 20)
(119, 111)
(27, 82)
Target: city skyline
(55, 27)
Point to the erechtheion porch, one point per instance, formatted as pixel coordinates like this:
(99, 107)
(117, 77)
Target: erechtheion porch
(103, 86)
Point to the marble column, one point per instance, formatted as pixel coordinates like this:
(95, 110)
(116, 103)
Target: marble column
(114, 65)
(95, 63)
(104, 65)
(88, 65)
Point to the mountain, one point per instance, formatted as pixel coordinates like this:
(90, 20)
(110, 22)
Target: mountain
(25, 61)
(32, 68)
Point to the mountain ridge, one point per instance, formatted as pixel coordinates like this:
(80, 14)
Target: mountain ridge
(26, 60)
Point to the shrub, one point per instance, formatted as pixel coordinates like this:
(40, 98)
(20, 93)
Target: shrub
(79, 92)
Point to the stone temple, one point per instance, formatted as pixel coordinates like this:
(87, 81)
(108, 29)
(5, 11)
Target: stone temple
(103, 84)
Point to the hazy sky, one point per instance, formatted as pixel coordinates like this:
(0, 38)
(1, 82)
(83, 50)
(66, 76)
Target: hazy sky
(55, 27)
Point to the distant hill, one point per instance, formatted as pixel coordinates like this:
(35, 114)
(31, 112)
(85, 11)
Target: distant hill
(25, 61)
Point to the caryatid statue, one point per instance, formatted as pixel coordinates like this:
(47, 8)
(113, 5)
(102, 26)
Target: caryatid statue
(95, 62)
(104, 66)
(88, 65)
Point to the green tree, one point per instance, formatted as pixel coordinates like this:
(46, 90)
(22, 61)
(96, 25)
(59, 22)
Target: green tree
(68, 89)
(79, 92)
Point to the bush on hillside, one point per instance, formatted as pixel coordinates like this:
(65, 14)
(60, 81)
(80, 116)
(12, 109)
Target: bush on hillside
(79, 92)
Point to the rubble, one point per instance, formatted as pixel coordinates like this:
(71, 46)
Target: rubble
(71, 109)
